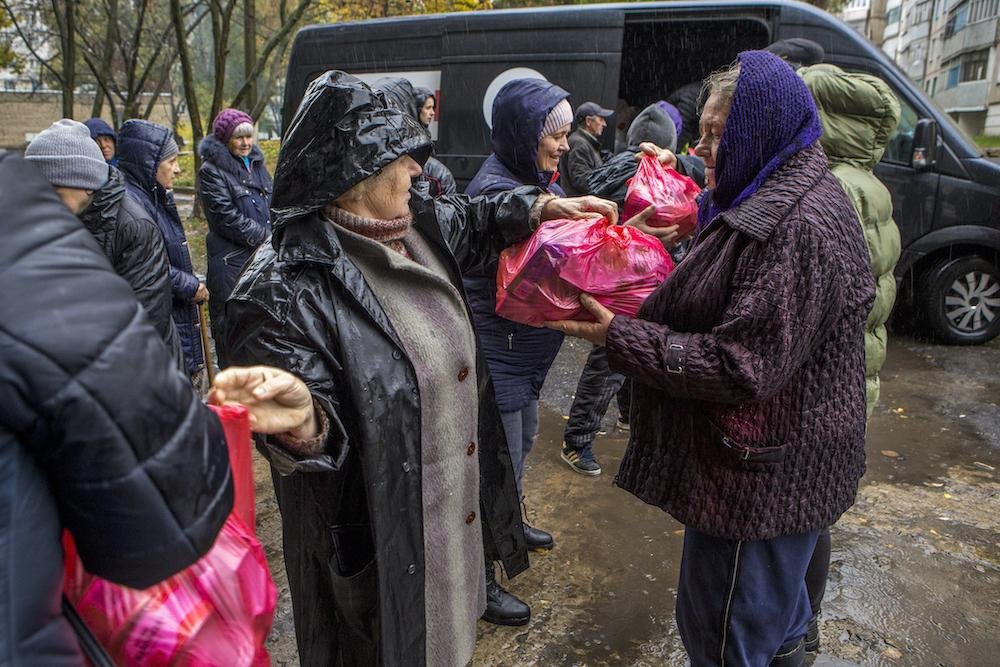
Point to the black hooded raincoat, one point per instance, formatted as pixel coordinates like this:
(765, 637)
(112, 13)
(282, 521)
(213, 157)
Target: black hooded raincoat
(352, 520)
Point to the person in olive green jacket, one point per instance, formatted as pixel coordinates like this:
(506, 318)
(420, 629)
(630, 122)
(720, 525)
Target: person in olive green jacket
(859, 113)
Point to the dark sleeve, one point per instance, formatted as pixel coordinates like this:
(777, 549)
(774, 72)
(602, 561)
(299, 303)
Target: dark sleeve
(580, 163)
(143, 264)
(693, 167)
(780, 309)
(448, 186)
(183, 284)
(255, 336)
(478, 228)
(224, 218)
(137, 464)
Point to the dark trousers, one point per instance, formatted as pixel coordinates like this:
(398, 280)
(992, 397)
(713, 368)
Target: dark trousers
(520, 427)
(818, 571)
(743, 603)
(594, 391)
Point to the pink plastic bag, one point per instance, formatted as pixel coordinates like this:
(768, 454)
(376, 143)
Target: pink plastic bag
(216, 612)
(236, 424)
(542, 278)
(672, 194)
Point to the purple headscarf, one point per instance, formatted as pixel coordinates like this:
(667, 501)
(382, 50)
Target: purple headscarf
(772, 118)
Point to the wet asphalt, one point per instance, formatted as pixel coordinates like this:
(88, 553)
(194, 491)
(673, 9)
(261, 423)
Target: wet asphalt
(915, 574)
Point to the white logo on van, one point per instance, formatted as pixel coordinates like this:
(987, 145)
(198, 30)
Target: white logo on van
(499, 82)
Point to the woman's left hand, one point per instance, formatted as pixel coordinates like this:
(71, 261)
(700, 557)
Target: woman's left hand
(580, 207)
(595, 332)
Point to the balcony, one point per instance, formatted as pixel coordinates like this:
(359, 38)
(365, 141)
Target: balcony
(968, 96)
(971, 37)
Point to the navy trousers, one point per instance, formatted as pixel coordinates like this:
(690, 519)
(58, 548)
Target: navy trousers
(520, 427)
(743, 603)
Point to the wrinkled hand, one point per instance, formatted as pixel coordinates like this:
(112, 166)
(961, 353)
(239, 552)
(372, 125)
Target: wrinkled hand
(595, 332)
(201, 294)
(278, 401)
(666, 157)
(580, 207)
(667, 235)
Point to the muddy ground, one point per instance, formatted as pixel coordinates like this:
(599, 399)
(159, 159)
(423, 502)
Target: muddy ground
(916, 563)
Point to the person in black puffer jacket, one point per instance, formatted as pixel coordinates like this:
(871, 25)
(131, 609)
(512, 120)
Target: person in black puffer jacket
(235, 191)
(100, 433)
(147, 156)
(437, 180)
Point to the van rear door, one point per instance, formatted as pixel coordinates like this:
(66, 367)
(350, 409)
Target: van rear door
(579, 51)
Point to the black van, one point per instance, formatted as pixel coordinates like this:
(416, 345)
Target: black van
(946, 194)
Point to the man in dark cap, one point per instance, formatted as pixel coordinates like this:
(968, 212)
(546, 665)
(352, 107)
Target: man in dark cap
(798, 51)
(584, 153)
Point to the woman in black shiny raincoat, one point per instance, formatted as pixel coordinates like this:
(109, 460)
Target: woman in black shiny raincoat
(354, 499)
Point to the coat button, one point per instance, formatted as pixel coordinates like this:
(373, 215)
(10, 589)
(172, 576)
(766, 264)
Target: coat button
(396, 354)
(412, 569)
(407, 467)
(471, 449)
(462, 374)
(470, 518)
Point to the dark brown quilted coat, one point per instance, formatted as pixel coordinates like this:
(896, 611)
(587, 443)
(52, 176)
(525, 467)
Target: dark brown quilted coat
(749, 402)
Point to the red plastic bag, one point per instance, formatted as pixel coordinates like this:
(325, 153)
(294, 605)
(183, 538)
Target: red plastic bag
(542, 278)
(236, 424)
(216, 612)
(673, 195)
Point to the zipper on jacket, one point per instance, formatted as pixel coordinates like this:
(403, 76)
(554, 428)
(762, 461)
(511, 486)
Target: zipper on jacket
(510, 341)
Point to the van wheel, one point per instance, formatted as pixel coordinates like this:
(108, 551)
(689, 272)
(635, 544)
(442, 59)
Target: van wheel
(960, 300)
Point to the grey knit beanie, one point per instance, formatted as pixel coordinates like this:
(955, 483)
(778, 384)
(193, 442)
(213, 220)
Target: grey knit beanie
(560, 116)
(68, 157)
(168, 150)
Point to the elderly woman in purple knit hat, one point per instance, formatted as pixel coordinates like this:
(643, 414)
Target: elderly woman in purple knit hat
(748, 409)
(235, 191)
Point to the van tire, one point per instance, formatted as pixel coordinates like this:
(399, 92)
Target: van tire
(959, 298)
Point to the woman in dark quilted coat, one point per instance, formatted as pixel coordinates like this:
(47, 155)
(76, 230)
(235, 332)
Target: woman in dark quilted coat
(235, 192)
(147, 156)
(748, 412)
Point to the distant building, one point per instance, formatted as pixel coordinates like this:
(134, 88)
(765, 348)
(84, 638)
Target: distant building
(950, 48)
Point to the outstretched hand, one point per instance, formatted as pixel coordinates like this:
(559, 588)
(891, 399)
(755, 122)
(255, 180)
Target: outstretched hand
(668, 236)
(595, 332)
(580, 207)
(278, 401)
(665, 156)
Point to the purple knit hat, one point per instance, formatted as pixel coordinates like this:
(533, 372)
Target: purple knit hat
(674, 113)
(227, 121)
(772, 117)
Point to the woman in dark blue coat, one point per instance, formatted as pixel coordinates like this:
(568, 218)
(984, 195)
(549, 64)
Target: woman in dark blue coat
(147, 155)
(235, 191)
(531, 119)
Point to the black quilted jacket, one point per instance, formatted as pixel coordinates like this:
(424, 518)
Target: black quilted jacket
(748, 413)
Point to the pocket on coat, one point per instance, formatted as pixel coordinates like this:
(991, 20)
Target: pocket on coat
(354, 580)
(736, 454)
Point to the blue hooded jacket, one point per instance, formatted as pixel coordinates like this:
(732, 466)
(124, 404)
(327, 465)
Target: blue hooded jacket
(519, 356)
(139, 146)
(99, 128)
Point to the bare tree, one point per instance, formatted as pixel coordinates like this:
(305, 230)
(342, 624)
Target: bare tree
(30, 19)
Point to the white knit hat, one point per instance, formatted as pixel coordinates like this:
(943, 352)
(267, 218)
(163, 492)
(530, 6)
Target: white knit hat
(560, 116)
(68, 157)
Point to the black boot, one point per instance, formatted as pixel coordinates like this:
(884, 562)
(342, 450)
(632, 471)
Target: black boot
(794, 658)
(537, 539)
(502, 607)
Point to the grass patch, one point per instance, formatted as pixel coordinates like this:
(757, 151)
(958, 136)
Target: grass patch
(196, 229)
(988, 140)
(186, 161)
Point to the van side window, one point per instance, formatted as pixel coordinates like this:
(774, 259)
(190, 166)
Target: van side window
(899, 150)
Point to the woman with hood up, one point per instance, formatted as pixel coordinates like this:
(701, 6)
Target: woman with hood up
(531, 122)
(147, 156)
(396, 478)
(235, 192)
(748, 370)
(436, 178)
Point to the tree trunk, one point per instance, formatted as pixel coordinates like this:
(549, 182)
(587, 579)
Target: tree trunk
(876, 22)
(69, 58)
(190, 94)
(250, 52)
